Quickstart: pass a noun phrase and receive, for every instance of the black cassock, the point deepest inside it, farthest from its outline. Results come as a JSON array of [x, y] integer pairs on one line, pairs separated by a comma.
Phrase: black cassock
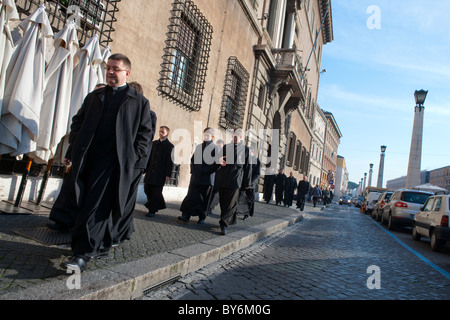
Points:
[[109, 139], [236, 174], [269, 182], [203, 167], [289, 189], [246, 201], [279, 187]]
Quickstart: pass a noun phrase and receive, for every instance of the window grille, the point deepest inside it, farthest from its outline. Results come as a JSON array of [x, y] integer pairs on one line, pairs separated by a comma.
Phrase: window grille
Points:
[[92, 16], [185, 59], [291, 149], [234, 96], [298, 155]]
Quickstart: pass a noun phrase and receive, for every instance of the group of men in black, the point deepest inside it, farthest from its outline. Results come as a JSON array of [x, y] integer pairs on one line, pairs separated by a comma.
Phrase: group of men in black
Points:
[[111, 145], [285, 188]]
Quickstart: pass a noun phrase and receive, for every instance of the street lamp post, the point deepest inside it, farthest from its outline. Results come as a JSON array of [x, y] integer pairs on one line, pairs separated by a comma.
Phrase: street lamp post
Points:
[[381, 168], [415, 153], [370, 175]]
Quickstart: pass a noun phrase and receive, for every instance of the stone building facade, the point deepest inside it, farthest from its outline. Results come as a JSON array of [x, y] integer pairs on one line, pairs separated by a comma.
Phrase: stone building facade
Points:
[[225, 64]]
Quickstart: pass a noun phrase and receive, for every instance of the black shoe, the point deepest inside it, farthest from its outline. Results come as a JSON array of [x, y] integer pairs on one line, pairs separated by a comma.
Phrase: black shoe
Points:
[[76, 264], [58, 227], [201, 221], [223, 231], [184, 219], [150, 214], [245, 217]]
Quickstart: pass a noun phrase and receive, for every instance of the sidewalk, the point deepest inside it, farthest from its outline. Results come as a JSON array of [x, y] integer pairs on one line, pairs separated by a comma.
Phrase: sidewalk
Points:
[[162, 249]]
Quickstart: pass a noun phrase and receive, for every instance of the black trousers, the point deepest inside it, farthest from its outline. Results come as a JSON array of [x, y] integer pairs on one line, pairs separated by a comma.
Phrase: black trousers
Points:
[[301, 200], [123, 229], [155, 198], [196, 202], [98, 210], [228, 199]]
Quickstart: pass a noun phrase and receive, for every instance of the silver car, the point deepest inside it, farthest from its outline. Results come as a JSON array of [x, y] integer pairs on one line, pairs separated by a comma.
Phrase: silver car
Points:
[[379, 205], [403, 205]]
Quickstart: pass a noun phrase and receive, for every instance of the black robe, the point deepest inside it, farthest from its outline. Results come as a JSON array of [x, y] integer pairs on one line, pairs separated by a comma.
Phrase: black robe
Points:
[[269, 182], [279, 187], [289, 190], [104, 158], [160, 166], [246, 201], [203, 168]]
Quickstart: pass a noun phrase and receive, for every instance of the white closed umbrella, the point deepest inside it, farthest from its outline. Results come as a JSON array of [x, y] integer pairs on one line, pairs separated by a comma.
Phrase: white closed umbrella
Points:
[[57, 94], [85, 78], [429, 187], [106, 53], [19, 124], [8, 14]]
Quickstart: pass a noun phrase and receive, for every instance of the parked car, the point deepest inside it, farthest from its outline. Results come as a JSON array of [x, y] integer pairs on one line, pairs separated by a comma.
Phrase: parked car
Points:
[[379, 205], [402, 207], [370, 200], [432, 221], [345, 200]]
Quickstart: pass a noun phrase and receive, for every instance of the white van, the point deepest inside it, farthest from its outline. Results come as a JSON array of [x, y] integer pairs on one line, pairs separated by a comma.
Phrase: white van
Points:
[[370, 200]]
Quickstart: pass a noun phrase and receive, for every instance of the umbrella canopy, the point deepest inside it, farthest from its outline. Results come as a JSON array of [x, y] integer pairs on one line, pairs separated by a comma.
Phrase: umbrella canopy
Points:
[[429, 187], [19, 124], [57, 95], [8, 14]]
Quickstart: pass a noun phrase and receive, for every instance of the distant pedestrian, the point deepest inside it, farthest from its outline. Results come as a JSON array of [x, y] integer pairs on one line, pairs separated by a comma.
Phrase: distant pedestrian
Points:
[[289, 189], [246, 202], [203, 168], [214, 201], [303, 189], [316, 194], [280, 182], [269, 182], [234, 174], [158, 171]]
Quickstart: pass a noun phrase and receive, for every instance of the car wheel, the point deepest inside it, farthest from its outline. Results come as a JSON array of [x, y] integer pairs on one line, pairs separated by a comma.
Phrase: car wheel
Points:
[[435, 243], [415, 235], [391, 225]]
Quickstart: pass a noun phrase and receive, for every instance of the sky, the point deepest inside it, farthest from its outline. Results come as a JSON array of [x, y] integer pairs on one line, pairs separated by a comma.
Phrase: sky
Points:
[[382, 52]]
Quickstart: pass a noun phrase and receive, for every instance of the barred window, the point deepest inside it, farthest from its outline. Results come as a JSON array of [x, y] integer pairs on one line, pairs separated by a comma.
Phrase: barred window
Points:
[[185, 59], [234, 95], [291, 149], [298, 155], [92, 16]]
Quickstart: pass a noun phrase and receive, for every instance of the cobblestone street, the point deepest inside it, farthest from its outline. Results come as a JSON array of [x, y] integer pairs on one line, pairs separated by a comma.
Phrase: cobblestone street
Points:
[[333, 254]]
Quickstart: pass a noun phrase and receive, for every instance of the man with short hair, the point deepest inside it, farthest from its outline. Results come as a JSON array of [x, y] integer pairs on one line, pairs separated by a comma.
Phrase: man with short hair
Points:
[[158, 171], [233, 175], [109, 138]]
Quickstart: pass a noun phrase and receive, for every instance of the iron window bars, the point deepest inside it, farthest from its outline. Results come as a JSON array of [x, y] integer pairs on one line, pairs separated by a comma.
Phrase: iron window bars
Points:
[[94, 16], [185, 58], [234, 95]]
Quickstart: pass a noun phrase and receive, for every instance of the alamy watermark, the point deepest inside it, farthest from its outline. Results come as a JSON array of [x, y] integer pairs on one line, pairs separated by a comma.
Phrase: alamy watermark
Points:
[[374, 280], [74, 281], [374, 20]]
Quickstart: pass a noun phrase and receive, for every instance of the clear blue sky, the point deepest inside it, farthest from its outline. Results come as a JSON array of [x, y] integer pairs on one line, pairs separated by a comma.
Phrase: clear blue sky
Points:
[[382, 52]]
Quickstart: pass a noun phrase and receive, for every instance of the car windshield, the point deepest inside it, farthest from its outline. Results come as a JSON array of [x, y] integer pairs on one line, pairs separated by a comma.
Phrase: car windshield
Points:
[[415, 197]]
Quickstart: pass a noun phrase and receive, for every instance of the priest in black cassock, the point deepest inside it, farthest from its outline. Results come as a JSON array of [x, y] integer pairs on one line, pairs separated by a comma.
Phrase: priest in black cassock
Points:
[[246, 201], [109, 138], [289, 189], [203, 168], [280, 181], [234, 174]]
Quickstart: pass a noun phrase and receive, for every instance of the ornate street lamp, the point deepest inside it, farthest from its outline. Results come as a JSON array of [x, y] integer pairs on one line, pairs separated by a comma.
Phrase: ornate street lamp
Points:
[[420, 96]]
